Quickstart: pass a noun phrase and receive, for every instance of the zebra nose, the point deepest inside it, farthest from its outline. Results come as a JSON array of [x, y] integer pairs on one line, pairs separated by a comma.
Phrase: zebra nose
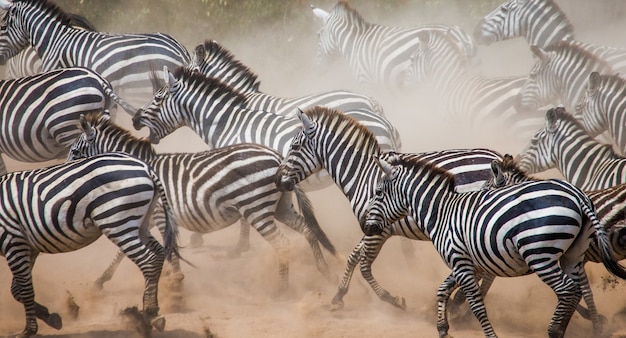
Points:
[[137, 119]]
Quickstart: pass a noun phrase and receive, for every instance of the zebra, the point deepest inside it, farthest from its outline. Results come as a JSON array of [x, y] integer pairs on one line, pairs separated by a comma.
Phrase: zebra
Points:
[[214, 60], [563, 143], [211, 190], [339, 144], [464, 97], [542, 23], [38, 113], [559, 76], [27, 62], [542, 227], [68, 206], [123, 59], [600, 108], [609, 203], [377, 55], [218, 114]]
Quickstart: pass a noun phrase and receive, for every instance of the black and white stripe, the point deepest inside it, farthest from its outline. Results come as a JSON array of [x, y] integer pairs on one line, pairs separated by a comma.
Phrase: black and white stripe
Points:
[[464, 97], [601, 108], [211, 190], [337, 143], [377, 55], [69, 206], [39, 113], [565, 145], [214, 60], [559, 76], [541, 227], [542, 23], [123, 59]]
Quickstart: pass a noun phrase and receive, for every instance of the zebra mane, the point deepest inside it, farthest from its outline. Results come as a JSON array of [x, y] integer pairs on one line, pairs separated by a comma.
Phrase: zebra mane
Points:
[[417, 164], [79, 21], [562, 17], [51, 8], [199, 82], [215, 51], [342, 7], [333, 117], [578, 51], [94, 119]]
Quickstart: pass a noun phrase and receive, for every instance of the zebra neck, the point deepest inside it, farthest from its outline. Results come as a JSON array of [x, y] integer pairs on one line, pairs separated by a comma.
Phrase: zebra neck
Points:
[[50, 41], [579, 162]]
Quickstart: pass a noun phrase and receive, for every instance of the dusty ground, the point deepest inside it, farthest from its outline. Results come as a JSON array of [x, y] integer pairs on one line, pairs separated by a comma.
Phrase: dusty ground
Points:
[[234, 297]]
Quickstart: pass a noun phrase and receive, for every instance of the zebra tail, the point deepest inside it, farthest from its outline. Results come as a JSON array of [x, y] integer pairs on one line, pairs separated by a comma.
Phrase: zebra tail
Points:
[[309, 216], [108, 90], [170, 233], [604, 244]]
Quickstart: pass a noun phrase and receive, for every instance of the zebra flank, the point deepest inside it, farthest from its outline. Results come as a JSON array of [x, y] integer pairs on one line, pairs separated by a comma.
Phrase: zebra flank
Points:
[[535, 226], [211, 190], [349, 152], [66, 207]]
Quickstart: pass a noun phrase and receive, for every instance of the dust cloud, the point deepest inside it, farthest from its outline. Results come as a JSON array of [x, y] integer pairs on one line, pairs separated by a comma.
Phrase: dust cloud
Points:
[[234, 297]]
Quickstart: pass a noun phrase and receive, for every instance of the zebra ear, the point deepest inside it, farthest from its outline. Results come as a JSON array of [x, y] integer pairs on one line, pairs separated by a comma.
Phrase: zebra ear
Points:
[[540, 53], [306, 121], [385, 167], [170, 81], [320, 13], [6, 4], [552, 121], [90, 133], [496, 171], [199, 53], [594, 81]]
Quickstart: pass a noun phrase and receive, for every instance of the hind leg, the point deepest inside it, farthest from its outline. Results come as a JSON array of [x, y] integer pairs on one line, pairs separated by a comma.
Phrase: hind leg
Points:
[[270, 232], [353, 259], [286, 214]]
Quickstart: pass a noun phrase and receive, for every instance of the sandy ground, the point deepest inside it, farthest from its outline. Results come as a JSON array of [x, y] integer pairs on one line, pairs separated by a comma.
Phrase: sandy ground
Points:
[[235, 297]]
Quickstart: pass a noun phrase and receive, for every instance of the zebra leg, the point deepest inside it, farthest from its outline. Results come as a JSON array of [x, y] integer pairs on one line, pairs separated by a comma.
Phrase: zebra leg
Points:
[[459, 297], [270, 232], [370, 250], [286, 214], [196, 241], [568, 295], [108, 273], [243, 244], [443, 296], [158, 220], [353, 259], [466, 277], [578, 274]]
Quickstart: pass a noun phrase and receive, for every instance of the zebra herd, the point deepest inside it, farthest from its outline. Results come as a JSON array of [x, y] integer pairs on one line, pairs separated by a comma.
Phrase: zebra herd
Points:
[[484, 215]]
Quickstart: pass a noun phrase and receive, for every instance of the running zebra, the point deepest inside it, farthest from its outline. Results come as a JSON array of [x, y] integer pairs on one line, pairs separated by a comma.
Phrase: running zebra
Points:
[[213, 60], [337, 143], [27, 62], [601, 108], [559, 76], [563, 143], [39, 113], [542, 23], [123, 59], [218, 114], [377, 55], [69, 206], [211, 190], [464, 97], [542, 227]]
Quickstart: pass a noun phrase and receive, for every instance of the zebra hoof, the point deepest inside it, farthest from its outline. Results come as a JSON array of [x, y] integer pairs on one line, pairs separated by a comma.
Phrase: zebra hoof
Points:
[[336, 305], [400, 303], [158, 323], [54, 321]]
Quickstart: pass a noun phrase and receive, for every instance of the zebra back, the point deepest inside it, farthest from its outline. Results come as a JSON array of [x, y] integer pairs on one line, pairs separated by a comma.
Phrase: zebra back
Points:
[[564, 144]]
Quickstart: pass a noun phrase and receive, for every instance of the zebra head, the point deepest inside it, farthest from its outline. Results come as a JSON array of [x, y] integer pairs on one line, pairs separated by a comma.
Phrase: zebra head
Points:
[[389, 202], [155, 115], [590, 110], [14, 36], [539, 155], [540, 22], [301, 160], [84, 145], [541, 86], [327, 45]]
